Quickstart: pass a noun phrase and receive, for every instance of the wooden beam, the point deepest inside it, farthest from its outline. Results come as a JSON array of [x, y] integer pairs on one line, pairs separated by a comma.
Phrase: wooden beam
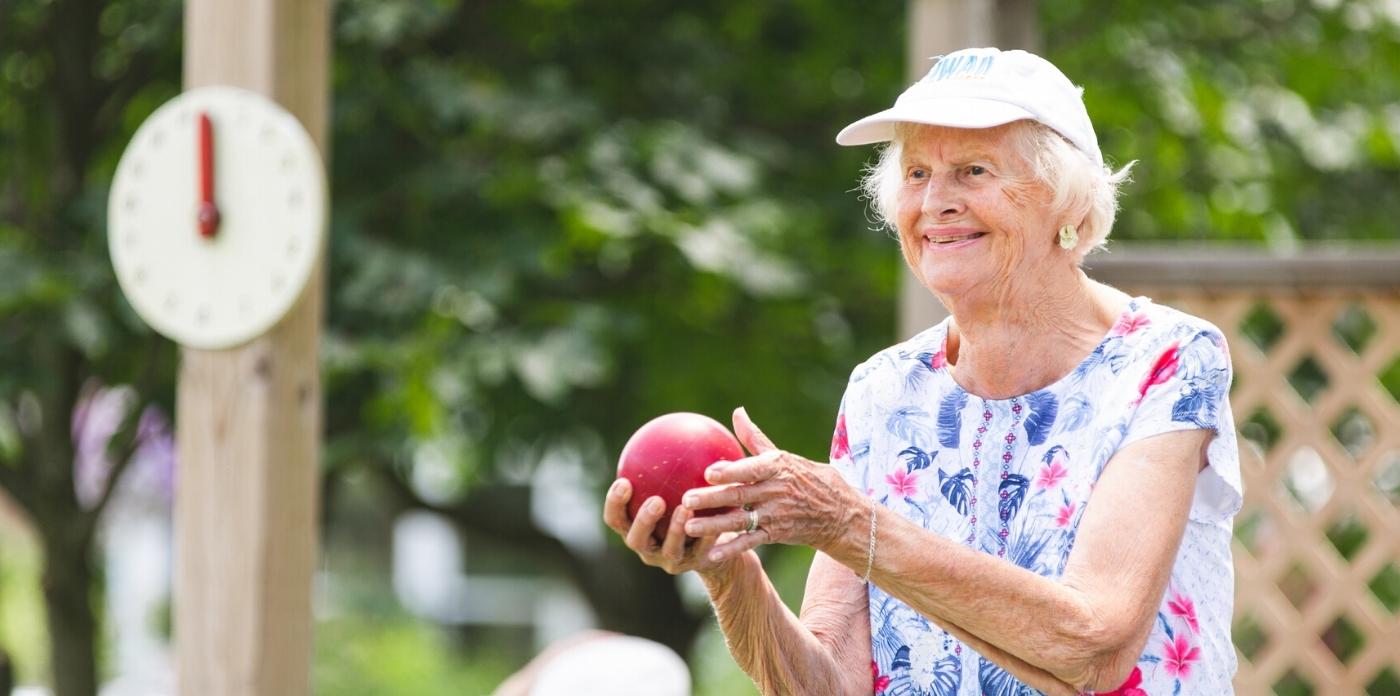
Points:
[[249, 419], [938, 27], [1213, 266]]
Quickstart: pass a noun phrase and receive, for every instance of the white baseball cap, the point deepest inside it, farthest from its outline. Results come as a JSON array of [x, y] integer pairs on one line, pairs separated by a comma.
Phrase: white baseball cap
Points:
[[982, 88]]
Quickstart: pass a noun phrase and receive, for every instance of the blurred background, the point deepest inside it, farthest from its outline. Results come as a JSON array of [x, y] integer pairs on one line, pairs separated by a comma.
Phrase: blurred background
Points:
[[555, 219]]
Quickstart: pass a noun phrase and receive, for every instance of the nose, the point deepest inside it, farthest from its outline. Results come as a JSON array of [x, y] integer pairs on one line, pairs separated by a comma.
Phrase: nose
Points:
[[941, 201]]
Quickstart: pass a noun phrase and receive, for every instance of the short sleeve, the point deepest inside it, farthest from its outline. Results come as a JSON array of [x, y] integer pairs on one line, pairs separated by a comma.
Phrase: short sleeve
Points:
[[1186, 386], [850, 423]]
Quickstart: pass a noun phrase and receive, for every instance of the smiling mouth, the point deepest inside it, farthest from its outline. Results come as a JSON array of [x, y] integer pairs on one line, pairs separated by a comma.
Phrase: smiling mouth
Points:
[[954, 239]]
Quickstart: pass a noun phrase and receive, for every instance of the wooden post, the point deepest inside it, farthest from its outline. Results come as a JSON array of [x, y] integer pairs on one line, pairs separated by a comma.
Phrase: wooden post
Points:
[[249, 419], [937, 27]]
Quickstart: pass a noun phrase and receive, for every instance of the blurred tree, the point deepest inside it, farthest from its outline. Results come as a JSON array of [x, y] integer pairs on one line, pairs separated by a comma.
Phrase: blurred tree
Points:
[[75, 76], [1271, 121], [7, 674], [561, 228]]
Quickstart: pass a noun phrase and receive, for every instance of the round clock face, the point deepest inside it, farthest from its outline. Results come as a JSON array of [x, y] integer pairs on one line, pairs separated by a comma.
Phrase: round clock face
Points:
[[216, 216]]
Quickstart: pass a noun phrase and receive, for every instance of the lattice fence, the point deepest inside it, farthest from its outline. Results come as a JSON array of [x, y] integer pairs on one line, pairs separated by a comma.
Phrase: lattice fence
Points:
[[1317, 546]]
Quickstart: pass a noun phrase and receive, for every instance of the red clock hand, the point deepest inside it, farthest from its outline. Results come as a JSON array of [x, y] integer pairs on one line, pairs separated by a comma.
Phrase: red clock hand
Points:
[[208, 215]]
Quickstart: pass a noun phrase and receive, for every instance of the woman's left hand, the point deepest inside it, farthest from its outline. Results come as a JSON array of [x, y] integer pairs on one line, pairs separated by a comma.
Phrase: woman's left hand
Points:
[[795, 500]]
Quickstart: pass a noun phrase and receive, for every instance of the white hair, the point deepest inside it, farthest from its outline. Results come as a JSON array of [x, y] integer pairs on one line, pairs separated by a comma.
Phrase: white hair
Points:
[[1083, 194]]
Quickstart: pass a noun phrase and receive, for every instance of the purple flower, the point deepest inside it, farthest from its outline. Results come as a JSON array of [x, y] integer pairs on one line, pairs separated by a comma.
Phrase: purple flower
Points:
[[96, 418]]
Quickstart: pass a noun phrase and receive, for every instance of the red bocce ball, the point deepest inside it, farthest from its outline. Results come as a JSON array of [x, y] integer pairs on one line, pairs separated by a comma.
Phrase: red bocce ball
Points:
[[668, 456]]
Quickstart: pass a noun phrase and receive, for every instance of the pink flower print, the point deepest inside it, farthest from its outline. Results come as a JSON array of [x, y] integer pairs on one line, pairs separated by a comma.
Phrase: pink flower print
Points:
[[1066, 514], [903, 484], [938, 360], [1051, 475], [1054, 470], [1181, 605], [1161, 371], [1129, 324], [1131, 687], [882, 682], [1178, 655], [839, 445]]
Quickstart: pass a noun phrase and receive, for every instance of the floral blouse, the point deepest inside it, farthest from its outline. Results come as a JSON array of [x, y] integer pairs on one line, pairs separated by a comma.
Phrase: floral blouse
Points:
[[1011, 477]]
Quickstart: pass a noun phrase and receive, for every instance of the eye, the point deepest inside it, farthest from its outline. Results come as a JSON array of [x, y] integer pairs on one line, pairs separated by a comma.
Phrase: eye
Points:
[[916, 174], [976, 170]]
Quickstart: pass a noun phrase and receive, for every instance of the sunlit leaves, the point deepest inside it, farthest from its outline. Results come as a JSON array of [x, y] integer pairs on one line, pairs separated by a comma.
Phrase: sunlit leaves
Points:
[[1238, 115]]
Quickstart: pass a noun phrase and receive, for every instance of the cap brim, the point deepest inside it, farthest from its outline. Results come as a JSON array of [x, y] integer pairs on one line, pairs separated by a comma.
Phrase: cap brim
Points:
[[953, 112]]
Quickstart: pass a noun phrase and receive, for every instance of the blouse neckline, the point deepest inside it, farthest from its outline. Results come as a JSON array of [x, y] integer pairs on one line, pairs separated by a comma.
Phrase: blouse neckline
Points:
[[1134, 306]]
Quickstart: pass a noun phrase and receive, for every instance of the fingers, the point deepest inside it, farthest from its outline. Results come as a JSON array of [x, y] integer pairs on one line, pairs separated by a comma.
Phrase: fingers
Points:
[[673, 548], [639, 536], [615, 507], [741, 543], [702, 547], [749, 434], [736, 521], [678, 552], [760, 467], [731, 495]]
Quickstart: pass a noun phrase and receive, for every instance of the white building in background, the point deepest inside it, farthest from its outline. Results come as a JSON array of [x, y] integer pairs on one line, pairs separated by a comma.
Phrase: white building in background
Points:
[[433, 579], [136, 549]]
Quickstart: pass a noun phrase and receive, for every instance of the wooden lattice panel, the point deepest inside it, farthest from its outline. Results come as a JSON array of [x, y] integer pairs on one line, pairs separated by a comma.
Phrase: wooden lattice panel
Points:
[[1317, 545]]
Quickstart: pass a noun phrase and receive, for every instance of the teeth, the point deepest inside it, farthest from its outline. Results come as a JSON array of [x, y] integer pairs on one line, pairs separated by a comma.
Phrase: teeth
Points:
[[947, 240]]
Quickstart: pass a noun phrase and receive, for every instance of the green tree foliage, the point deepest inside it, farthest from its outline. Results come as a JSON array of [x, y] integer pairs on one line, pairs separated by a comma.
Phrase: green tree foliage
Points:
[[557, 229], [75, 77], [1272, 121], [584, 223]]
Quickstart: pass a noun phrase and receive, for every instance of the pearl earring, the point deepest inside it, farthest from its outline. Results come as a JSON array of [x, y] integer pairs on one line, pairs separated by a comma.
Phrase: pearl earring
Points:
[[1069, 237]]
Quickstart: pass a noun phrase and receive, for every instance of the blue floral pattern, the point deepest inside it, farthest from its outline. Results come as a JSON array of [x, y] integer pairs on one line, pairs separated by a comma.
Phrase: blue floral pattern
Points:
[[1011, 478]]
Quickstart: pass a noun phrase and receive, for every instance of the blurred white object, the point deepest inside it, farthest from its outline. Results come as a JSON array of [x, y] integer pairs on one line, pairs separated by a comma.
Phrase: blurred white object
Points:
[[427, 564], [614, 666], [563, 502], [149, 683], [137, 553], [431, 581]]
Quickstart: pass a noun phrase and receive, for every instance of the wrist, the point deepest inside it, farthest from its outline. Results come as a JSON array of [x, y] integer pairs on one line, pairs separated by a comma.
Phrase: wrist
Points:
[[850, 544], [720, 576], [870, 548]]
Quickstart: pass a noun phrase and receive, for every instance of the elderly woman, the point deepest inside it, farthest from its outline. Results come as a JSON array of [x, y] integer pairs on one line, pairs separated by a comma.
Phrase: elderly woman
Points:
[[1034, 495]]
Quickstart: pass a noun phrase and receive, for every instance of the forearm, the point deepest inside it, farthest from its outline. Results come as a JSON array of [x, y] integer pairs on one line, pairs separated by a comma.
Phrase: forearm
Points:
[[781, 654], [1033, 676], [1044, 632]]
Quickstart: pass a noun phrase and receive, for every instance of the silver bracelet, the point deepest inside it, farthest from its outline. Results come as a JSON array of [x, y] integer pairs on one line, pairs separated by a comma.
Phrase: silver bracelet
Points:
[[870, 556]]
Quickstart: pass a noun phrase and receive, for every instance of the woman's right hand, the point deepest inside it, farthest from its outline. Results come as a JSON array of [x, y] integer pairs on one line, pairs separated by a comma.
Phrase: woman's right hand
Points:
[[678, 553]]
